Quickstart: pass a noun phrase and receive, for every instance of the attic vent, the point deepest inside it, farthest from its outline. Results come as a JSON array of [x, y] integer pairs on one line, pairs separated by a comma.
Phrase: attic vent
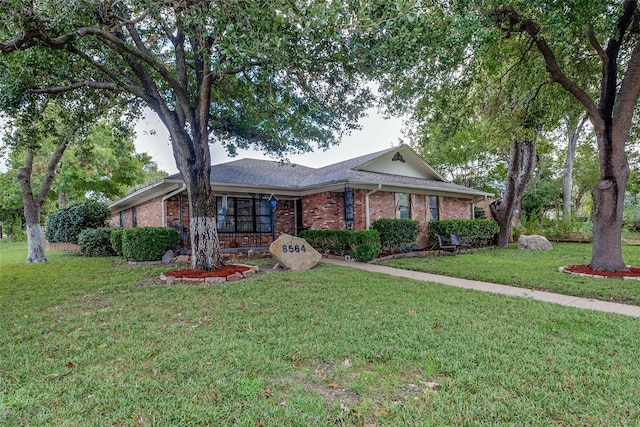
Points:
[[398, 158]]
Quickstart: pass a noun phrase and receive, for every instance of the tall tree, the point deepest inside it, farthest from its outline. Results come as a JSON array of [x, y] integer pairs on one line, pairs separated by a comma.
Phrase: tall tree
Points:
[[34, 127], [612, 114], [275, 74], [579, 46], [574, 128]]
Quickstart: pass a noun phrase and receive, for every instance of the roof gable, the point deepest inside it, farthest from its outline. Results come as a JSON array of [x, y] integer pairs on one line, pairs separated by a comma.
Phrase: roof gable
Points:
[[401, 161]]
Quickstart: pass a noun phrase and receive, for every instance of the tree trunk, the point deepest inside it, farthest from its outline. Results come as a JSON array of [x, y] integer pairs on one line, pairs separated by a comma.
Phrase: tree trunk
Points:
[[33, 204], [193, 159], [573, 135], [205, 245], [32, 207], [521, 166], [608, 206]]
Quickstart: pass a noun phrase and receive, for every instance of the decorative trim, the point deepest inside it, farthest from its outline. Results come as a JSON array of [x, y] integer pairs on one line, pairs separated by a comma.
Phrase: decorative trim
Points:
[[397, 157]]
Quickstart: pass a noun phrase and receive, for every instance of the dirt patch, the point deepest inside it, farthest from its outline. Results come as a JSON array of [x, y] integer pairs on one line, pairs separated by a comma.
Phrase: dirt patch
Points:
[[584, 270], [225, 271]]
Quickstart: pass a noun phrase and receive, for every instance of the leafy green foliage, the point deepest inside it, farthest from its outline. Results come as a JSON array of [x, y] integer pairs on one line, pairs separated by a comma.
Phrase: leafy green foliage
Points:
[[363, 245], [396, 233], [116, 240], [480, 231], [66, 224], [95, 242], [148, 243]]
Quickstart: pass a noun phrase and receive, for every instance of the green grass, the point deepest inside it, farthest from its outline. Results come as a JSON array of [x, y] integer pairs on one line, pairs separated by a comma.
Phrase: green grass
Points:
[[533, 269], [94, 342]]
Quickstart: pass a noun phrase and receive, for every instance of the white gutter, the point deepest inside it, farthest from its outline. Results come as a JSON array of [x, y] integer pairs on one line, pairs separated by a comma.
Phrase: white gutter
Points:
[[168, 196], [366, 204]]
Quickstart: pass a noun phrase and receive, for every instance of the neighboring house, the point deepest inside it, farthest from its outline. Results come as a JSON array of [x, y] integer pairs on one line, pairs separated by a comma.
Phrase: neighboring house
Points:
[[393, 183]]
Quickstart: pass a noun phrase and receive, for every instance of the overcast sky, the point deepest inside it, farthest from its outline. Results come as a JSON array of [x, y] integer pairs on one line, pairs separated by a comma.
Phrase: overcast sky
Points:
[[376, 134]]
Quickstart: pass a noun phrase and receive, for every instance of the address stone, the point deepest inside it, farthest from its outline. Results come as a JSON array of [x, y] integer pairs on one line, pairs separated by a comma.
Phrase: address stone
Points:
[[294, 253]]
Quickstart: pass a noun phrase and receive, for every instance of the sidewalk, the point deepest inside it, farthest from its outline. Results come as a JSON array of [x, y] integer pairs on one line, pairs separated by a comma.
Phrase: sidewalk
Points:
[[566, 300]]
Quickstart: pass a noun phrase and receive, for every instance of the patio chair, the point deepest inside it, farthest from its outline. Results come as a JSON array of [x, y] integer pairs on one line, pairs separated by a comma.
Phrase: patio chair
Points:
[[445, 247], [457, 243]]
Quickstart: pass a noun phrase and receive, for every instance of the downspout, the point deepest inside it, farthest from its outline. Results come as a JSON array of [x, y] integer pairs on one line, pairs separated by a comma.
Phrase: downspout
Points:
[[366, 205], [167, 197]]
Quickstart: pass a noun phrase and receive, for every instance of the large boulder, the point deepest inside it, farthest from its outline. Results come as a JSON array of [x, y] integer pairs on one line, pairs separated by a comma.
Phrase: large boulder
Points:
[[294, 253], [534, 242]]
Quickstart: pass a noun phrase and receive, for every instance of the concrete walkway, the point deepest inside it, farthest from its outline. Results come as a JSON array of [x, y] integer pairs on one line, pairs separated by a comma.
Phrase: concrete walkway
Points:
[[566, 300]]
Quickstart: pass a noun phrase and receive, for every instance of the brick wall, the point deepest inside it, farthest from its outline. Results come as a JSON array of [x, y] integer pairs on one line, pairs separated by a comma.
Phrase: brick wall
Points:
[[150, 213], [323, 211], [484, 205], [455, 208]]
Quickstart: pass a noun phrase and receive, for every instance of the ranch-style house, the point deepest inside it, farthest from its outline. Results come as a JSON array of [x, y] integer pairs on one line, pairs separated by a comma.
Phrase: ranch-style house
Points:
[[258, 200]]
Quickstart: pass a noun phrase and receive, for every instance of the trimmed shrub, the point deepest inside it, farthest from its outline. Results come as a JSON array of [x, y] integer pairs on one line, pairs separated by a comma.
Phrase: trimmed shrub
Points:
[[148, 243], [396, 233], [116, 240], [480, 231], [95, 242], [363, 245], [66, 224], [366, 245], [479, 213]]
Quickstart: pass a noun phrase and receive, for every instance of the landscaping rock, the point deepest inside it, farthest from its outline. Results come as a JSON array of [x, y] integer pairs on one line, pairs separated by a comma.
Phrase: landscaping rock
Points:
[[294, 253], [534, 242], [183, 258], [167, 257], [215, 280], [170, 280], [248, 273], [234, 277]]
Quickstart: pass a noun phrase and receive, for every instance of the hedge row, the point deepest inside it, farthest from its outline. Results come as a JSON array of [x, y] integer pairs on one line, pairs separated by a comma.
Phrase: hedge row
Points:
[[396, 233], [145, 243], [481, 231], [66, 224], [95, 242], [363, 245]]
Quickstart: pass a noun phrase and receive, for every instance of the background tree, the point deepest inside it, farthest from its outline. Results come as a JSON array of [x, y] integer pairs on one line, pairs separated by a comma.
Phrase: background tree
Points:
[[570, 45], [273, 74], [92, 157]]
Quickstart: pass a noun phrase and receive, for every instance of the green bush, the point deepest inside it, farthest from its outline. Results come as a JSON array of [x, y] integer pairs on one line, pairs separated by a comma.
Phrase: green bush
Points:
[[396, 233], [95, 242], [66, 224], [479, 213], [148, 243], [363, 245], [480, 231], [116, 240]]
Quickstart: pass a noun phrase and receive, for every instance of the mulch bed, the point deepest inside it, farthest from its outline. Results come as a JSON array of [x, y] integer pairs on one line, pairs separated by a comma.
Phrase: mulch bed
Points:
[[225, 271], [583, 269]]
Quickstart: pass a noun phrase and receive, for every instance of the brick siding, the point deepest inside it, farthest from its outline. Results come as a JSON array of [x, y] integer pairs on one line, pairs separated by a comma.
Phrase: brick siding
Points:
[[321, 211]]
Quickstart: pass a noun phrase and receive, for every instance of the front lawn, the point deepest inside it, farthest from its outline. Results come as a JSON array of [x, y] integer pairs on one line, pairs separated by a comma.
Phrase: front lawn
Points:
[[95, 342], [534, 270]]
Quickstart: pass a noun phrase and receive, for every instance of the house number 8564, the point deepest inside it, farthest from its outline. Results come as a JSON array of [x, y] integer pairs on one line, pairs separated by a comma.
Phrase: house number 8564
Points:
[[293, 248]]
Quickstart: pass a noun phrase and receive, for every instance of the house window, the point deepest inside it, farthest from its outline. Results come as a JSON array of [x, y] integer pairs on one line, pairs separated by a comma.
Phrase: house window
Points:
[[236, 215], [122, 219], [134, 216], [404, 206], [433, 208]]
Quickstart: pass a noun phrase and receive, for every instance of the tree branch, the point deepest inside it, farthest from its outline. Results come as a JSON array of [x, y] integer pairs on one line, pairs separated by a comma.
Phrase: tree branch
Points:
[[50, 172], [77, 85], [591, 35], [519, 24]]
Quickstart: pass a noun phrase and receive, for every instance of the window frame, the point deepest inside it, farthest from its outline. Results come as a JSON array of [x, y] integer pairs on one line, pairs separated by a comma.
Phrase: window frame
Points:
[[244, 215], [434, 204]]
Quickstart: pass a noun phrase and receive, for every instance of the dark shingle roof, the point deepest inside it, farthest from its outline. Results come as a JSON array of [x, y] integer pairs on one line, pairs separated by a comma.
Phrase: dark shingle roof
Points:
[[273, 174]]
